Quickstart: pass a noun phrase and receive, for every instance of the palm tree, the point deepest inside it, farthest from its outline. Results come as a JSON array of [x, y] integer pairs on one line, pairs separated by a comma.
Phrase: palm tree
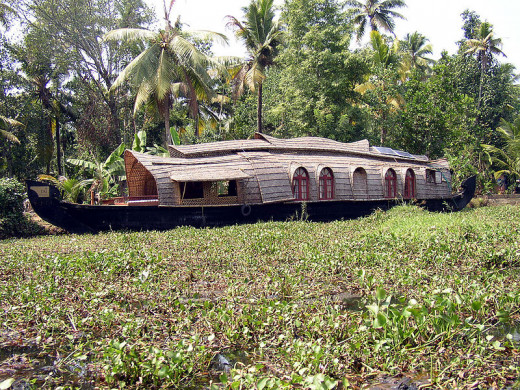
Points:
[[388, 100], [384, 55], [484, 47], [5, 124], [378, 14], [415, 49], [507, 160], [261, 35], [170, 66]]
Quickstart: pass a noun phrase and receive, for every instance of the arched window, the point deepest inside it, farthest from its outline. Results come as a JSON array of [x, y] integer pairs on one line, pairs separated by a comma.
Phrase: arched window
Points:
[[300, 184], [360, 185], [409, 184], [326, 184], [390, 184]]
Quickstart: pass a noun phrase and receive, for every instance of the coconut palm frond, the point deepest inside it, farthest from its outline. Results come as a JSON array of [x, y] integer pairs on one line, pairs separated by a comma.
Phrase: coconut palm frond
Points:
[[379, 14], [143, 96], [207, 35], [129, 35], [355, 4], [164, 75], [137, 68], [506, 159], [254, 77], [184, 50], [5, 123], [9, 136]]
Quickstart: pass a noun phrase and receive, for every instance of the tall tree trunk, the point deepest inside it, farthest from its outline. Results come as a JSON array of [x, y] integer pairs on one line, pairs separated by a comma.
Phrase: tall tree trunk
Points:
[[383, 128], [49, 150], [196, 124], [167, 122], [259, 109], [58, 147], [383, 136], [480, 86]]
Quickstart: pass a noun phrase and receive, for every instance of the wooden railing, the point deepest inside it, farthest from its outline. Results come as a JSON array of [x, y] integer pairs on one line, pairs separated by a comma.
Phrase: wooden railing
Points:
[[124, 200]]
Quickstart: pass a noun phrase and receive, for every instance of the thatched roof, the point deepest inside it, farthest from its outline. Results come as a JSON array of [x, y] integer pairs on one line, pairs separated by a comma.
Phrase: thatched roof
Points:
[[263, 142]]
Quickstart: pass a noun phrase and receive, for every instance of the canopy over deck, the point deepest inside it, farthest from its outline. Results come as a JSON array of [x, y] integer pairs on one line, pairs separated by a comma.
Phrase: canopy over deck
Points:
[[209, 173]]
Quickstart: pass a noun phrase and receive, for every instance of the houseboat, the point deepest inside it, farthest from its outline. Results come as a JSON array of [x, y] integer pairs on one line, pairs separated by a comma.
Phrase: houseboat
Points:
[[260, 179]]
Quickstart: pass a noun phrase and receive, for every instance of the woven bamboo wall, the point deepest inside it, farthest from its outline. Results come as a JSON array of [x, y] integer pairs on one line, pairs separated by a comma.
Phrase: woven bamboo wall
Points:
[[342, 168], [139, 180]]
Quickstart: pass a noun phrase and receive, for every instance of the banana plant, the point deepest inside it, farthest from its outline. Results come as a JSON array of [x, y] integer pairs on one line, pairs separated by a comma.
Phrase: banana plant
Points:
[[139, 144], [105, 175]]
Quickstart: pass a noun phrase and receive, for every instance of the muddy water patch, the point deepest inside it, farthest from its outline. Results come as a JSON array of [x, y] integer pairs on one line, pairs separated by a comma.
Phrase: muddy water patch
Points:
[[31, 367], [510, 332], [404, 382], [223, 362]]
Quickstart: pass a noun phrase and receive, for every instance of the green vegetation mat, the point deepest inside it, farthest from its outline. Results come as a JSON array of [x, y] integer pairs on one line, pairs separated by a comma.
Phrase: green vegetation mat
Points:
[[433, 297]]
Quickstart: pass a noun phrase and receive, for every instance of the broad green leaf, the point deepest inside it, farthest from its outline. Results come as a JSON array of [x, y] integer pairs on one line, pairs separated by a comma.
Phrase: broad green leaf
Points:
[[380, 321], [262, 383], [82, 164], [223, 378], [175, 136], [373, 308], [380, 293]]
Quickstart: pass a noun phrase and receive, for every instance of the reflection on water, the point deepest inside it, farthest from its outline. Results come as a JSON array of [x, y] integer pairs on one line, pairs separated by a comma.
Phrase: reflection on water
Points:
[[31, 368], [509, 332], [407, 382], [225, 361]]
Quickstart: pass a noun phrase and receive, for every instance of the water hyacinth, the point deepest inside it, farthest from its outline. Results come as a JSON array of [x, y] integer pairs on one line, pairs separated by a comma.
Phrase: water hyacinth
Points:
[[404, 295]]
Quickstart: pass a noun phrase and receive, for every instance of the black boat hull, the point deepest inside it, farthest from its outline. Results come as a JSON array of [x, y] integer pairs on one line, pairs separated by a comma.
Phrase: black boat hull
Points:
[[78, 218]]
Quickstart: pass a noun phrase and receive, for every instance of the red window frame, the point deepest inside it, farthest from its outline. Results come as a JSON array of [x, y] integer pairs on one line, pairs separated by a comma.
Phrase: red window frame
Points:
[[409, 184], [326, 182], [300, 184], [390, 184]]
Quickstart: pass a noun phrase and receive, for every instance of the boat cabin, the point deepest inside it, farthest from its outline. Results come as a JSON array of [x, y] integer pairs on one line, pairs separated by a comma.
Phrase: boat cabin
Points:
[[267, 170]]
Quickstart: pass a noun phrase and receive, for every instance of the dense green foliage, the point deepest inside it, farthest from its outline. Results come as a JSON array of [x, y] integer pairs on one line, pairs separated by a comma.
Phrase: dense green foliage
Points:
[[399, 292], [507, 160], [13, 222], [315, 90], [83, 85], [11, 206]]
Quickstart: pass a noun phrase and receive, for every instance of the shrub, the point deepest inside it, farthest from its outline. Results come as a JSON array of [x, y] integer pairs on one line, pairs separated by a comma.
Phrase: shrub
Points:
[[13, 222]]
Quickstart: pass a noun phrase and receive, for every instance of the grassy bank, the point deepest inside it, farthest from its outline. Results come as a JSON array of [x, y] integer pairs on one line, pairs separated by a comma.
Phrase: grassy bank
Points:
[[296, 304]]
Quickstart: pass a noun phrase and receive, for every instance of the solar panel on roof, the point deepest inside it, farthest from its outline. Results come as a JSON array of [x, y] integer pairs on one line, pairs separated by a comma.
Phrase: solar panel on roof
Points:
[[404, 154], [384, 150], [392, 152]]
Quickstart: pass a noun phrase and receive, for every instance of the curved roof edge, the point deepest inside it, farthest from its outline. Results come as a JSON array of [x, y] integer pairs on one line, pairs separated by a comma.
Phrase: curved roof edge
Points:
[[264, 142]]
